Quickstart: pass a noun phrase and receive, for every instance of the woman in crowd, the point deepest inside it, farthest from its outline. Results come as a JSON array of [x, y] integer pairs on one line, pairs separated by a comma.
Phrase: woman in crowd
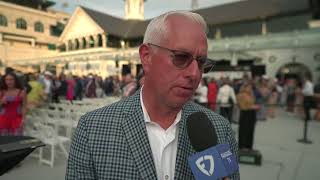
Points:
[[212, 94], [70, 90], [36, 96], [91, 87], [264, 92], [247, 120], [13, 100], [272, 102]]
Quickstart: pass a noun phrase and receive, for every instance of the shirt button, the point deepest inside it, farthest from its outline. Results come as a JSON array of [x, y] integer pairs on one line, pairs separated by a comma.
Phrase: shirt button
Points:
[[166, 177]]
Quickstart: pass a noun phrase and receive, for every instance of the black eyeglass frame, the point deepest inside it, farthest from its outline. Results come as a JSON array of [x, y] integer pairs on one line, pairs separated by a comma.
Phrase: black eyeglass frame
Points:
[[205, 64]]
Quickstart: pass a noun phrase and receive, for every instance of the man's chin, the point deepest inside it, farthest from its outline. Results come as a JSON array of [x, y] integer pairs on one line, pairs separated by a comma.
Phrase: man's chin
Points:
[[180, 101]]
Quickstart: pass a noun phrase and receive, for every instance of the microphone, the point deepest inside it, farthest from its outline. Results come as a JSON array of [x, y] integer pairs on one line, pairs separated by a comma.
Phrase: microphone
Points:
[[212, 160]]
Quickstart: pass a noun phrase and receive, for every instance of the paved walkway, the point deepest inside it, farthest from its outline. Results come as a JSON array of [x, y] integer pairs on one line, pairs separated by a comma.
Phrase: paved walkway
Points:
[[283, 157]]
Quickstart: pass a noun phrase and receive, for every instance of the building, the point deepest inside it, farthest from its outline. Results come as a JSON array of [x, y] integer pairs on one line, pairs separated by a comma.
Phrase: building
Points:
[[272, 37], [106, 46], [277, 38], [29, 31]]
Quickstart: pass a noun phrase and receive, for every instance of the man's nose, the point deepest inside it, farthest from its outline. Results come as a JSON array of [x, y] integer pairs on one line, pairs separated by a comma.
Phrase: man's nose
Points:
[[193, 69]]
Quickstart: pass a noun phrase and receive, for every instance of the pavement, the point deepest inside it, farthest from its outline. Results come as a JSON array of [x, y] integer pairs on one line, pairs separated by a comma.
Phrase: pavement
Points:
[[283, 157]]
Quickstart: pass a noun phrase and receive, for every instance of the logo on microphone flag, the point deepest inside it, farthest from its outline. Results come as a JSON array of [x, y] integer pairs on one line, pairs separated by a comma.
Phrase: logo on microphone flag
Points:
[[213, 163], [202, 166]]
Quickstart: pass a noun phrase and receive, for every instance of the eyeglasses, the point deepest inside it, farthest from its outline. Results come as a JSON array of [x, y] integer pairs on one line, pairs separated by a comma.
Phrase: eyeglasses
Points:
[[183, 59]]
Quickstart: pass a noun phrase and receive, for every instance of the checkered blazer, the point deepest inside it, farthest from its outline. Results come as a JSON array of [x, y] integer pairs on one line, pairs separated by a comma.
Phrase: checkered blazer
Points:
[[112, 143]]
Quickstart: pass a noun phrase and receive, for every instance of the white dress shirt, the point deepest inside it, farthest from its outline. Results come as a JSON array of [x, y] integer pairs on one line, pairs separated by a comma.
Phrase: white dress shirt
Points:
[[163, 144]]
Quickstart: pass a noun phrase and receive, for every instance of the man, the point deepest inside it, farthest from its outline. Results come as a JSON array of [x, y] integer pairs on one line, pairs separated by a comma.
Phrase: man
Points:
[[226, 98], [144, 136], [308, 101], [48, 85]]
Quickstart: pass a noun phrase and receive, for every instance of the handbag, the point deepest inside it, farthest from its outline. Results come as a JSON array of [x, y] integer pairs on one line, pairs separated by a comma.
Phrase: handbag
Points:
[[230, 101]]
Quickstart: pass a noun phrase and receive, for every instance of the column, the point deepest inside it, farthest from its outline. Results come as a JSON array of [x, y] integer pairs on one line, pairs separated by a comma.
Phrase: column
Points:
[[42, 67], [74, 44], [81, 43], [234, 61], [133, 67], [88, 41], [264, 29], [66, 45], [33, 42], [96, 41], [70, 46], [59, 68], [218, 34], [104, 40]]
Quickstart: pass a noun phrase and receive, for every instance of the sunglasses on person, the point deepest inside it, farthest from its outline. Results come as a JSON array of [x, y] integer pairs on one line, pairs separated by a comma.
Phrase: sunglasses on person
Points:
[[183, 59]]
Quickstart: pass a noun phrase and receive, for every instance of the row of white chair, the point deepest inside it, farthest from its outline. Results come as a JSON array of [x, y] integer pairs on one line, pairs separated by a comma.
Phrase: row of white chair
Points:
[[55, 123]]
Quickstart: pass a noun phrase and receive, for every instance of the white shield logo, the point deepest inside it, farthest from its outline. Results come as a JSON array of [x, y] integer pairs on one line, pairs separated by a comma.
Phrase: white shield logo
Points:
[[202, 167]]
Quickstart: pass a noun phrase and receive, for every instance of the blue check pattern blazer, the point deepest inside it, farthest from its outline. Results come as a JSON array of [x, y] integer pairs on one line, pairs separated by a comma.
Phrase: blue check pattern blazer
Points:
[[112, 143]]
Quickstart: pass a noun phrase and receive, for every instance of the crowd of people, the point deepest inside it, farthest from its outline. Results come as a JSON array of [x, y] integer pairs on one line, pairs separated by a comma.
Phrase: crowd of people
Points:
[[36, 89], [20, 93], [268, 93], [246, 100]]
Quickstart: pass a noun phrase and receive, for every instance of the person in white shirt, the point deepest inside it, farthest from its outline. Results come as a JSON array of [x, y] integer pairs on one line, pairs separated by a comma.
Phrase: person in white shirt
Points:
[[201, 94], [226, 99], [48, 85], [308, 99]]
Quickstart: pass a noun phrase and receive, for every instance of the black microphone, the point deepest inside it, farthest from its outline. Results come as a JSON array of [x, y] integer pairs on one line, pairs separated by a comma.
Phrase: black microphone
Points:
[[212, 160], [201, 132]]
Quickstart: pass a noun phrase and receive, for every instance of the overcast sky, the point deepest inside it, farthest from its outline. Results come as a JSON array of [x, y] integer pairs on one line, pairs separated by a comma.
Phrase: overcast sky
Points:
[[152, 7]]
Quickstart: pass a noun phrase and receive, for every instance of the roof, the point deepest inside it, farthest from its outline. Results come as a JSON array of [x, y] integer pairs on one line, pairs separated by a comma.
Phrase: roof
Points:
[[116, 26], [227, 13], [44, 4], [251, 10]]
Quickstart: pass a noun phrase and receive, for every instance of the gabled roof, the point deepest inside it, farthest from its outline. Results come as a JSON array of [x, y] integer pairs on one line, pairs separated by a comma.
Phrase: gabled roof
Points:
[[116, 26], [228, 13]]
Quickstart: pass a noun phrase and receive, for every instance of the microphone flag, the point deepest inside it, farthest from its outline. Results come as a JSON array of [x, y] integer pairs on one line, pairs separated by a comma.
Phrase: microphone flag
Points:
[[213, 163]]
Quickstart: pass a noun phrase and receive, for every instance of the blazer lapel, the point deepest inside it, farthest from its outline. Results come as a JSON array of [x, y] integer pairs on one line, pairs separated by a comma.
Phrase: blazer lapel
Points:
[[136, 134], [182, 169]]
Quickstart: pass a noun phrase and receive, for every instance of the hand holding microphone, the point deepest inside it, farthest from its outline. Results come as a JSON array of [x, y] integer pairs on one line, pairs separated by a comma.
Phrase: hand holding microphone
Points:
[[212, 161]]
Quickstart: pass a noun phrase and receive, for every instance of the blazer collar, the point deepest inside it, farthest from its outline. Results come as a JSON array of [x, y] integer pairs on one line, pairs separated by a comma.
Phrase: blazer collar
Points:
[[137, 138]]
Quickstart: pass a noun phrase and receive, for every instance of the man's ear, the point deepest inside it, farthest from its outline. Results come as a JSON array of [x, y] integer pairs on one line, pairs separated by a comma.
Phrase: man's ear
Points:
[[145, 57]]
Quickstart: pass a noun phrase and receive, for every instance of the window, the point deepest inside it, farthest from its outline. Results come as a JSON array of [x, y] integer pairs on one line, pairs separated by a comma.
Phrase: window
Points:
[[52, 47], [57, 29], [3, 20], [38, 27], [21, 24]]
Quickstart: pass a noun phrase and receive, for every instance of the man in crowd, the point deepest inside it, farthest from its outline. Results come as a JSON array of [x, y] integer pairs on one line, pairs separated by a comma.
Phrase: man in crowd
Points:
[[308, 101], [226, 99], [144, 136]]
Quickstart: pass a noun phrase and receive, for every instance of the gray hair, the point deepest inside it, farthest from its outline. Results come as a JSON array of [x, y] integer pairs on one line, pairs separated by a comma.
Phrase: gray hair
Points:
[[158, 26]]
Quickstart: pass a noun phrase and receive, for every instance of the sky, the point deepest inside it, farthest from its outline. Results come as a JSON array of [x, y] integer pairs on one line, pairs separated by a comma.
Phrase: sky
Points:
[[152, 7]]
